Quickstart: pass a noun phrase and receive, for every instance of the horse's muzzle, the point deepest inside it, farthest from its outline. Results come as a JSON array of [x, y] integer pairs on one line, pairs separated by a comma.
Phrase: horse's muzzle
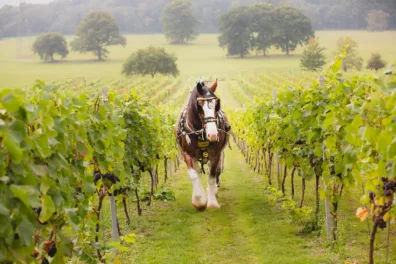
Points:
[[211, 131], [212, 137]]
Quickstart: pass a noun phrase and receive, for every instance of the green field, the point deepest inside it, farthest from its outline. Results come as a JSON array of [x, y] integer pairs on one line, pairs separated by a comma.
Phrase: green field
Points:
[[201, 58]]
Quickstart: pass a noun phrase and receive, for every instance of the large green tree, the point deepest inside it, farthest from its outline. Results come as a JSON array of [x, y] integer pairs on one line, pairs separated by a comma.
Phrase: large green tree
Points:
[[236, 31], [47, 45], [179, 23], [261, 18], [291, 28], [97, 31], [151, 61]]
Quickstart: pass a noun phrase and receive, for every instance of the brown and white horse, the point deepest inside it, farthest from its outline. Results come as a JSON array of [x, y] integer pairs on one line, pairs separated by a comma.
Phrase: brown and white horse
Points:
[[202, 134]]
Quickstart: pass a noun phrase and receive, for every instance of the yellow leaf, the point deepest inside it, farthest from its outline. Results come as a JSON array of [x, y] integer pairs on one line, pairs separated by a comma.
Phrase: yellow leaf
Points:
[[117, 261], [362, 213], [386, 216]]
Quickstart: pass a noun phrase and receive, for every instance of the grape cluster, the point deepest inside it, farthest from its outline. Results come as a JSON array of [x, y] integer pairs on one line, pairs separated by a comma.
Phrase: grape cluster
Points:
[[52, 251], [381, 224], [371, 196], [389, 188]]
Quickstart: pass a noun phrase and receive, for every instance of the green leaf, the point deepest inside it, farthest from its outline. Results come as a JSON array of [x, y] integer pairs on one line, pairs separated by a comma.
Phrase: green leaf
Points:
[[17, 131], [41, 142], [88, 188], [383, 141], [27, 194], [4, 210], [14, 150], [39, 170], [25, 231], [47, 208], [11, 102]]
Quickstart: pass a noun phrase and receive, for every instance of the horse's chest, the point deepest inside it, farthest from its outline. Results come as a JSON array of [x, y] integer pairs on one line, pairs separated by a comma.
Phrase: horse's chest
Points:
[[204, 149]]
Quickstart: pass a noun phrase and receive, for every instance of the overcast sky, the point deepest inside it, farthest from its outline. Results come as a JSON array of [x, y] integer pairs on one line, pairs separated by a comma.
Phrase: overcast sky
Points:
[[16, 2]]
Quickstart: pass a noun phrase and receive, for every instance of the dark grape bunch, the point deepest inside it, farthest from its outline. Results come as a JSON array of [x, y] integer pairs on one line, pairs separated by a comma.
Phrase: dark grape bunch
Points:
[[52, 251], [381, 224], [389, 188], [371, 196]]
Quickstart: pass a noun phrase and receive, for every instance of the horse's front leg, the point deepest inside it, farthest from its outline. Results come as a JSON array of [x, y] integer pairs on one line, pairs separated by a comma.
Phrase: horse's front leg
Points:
[[212, 184], [198, 195]]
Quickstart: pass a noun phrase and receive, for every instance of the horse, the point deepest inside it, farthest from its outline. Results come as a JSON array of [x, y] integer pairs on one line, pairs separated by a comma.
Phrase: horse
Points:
[[202, 134]]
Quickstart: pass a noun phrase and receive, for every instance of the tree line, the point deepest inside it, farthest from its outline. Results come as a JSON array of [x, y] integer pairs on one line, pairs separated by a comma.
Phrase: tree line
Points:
[[138, 16], [96, 32], [260, 26]]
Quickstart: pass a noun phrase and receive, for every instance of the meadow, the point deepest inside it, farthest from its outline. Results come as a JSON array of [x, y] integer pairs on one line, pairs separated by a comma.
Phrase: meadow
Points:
[[203, 57]]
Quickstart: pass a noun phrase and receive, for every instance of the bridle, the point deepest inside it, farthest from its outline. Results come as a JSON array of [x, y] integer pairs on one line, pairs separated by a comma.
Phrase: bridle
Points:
[[206, 120]]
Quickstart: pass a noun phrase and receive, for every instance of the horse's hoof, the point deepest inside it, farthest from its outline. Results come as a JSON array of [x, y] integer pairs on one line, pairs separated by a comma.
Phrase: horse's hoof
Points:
[[199, 207], [213, 206]]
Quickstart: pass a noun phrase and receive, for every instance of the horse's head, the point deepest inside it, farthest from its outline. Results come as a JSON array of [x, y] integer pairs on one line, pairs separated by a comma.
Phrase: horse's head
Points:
[[208, 105]]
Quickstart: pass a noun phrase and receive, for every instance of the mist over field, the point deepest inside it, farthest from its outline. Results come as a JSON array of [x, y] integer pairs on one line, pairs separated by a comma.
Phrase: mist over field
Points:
[[16, 2]]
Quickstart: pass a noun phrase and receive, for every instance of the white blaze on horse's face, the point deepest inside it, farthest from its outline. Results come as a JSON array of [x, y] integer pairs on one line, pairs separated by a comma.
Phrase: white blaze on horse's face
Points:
[[209, 109]]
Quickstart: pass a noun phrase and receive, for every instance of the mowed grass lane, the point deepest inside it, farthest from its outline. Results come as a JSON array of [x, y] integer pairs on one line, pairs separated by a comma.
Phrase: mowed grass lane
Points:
[[246, 229]]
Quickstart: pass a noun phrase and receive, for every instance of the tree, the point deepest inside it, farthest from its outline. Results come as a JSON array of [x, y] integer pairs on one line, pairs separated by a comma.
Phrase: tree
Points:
[[46, 45], [352, 58], [313, 58], [151, 61], [97, 31], [377, 20], [291, 28], [376, 62], [262, 26], [235, 31], [179, 23]]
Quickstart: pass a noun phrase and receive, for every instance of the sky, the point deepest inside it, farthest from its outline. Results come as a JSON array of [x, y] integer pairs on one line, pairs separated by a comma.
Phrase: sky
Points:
[[16, 2]]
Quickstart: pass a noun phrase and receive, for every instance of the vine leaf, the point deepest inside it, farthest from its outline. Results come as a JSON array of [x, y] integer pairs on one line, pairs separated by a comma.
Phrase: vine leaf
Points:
[[25, 230], [47, 208], [27, 194]]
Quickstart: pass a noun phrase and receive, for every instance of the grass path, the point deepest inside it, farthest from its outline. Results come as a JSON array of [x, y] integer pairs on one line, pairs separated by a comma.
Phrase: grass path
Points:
[[246, 229]]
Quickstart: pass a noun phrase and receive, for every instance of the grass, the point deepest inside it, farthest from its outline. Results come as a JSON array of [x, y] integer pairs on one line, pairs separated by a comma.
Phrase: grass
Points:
[[246, 229], [201, 58]]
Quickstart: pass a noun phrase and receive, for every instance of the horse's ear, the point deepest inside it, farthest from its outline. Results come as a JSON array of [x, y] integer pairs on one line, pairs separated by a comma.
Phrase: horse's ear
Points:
[[199, 88], [214, 86]]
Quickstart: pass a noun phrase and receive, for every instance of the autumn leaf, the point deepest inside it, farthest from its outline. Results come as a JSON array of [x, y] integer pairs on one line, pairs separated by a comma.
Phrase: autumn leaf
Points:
[[362, 213]]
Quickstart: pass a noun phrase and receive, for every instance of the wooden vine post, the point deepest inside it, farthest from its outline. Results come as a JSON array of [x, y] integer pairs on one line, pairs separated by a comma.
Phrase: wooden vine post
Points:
[[276, 155], [114, 229], [326, 202]]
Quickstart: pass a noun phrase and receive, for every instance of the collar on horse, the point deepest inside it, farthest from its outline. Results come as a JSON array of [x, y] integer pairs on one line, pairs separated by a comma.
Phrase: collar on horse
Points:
[[203, 142]]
